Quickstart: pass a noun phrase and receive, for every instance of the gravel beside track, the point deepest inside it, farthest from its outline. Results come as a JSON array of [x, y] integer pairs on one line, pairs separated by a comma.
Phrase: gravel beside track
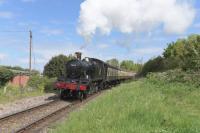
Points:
[[48, 124], [15, 122], [37, 119], [42, 125], [25, 103]]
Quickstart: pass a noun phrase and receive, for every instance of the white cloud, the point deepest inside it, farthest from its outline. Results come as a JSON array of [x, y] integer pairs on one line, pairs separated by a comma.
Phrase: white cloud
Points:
[[128, 16], [148, 51], [6, 15], [51, 32]]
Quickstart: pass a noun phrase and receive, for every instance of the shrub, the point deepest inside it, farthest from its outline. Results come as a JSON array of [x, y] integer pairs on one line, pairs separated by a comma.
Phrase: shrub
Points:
[[42, 83], [49, 85], [153, 65], [37, 82], [5, 76], [171, 63], [177, 75], [160, 64]]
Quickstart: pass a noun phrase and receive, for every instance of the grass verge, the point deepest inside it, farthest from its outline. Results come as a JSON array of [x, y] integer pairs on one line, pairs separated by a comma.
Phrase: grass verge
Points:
[[36, 86], [140, 107], [16, 94]]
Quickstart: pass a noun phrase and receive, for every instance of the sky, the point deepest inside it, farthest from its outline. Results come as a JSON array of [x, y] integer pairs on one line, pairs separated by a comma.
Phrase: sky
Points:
[[126, 30]]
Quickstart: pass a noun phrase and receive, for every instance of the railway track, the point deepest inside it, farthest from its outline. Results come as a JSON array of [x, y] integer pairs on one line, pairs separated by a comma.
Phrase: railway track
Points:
[[36, 118]]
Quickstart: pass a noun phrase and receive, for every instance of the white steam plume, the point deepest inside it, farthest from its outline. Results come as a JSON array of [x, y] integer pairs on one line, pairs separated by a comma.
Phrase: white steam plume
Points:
[[128, 16]]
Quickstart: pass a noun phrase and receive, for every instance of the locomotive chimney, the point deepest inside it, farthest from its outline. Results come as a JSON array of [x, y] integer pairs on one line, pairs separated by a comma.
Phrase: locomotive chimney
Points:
[[78, 55]]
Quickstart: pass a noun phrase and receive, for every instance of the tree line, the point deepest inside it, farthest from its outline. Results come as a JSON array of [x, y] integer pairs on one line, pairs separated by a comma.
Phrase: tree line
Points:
[[182, 54]]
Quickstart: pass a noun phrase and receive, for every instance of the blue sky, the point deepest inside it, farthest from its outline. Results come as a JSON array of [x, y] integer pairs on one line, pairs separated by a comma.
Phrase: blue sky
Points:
[[54, 24]]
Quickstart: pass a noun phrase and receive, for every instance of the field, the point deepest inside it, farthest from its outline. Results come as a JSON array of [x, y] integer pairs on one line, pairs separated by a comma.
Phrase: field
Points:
[[140, 107]]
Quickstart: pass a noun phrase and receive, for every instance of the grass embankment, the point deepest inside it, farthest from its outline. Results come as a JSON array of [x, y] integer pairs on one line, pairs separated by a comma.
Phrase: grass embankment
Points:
[[16, 94], [140, 107], [36, 86]]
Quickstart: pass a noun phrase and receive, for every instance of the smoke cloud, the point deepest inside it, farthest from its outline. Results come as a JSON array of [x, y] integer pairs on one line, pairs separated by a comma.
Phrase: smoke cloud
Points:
[[129, 16]]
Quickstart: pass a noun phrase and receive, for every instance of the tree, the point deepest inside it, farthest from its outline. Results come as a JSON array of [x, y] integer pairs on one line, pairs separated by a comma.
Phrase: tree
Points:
[[56, 66], [185, 53], [5, 75], [113, 62], [130, 66], [153, 65], [192, 53]]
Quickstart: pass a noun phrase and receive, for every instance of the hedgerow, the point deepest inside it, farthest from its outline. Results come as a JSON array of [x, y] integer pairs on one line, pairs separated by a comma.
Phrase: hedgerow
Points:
[[177, 75], [5, 76], [41, 83]]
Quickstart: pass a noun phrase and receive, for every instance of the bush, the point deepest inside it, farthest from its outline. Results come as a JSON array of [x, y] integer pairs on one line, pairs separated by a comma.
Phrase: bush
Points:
[[41, 83], [186, 77], [37, 82], [49, 85], [160, 64], [171, 63], [5, 76], [153, 65]]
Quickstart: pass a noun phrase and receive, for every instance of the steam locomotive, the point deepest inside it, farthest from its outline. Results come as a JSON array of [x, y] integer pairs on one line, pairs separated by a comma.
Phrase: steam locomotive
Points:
[[88, 76]]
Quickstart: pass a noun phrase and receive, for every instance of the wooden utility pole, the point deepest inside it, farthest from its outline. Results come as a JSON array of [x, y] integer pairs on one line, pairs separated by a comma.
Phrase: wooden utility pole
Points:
[[30, 56]]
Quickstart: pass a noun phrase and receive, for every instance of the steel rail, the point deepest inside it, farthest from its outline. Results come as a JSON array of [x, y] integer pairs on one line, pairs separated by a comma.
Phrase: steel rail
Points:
[[27, 128], [8, 116], [30, 125]]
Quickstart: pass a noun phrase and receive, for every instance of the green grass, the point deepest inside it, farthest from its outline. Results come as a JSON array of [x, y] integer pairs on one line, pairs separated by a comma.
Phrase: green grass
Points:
[[139, 107], [37, 86], [13, 94]]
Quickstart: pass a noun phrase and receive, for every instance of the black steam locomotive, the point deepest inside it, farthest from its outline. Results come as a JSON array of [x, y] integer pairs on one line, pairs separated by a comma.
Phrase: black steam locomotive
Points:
[[88, 76]]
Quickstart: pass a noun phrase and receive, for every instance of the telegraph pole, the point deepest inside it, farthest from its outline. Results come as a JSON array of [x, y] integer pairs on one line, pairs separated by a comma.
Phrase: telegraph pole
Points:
[[30, 56]]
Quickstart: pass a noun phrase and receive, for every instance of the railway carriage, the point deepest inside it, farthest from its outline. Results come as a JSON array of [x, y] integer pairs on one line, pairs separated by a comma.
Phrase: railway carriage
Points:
[[88, 76]]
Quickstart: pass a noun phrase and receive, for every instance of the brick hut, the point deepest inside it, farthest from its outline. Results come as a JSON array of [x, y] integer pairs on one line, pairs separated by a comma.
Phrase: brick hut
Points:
[[20, 80]]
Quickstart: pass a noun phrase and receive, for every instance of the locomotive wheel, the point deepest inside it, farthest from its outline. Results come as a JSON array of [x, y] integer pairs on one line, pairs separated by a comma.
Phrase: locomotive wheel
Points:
[[63, 95], [85, 94], [91, 89], [80, 96]]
